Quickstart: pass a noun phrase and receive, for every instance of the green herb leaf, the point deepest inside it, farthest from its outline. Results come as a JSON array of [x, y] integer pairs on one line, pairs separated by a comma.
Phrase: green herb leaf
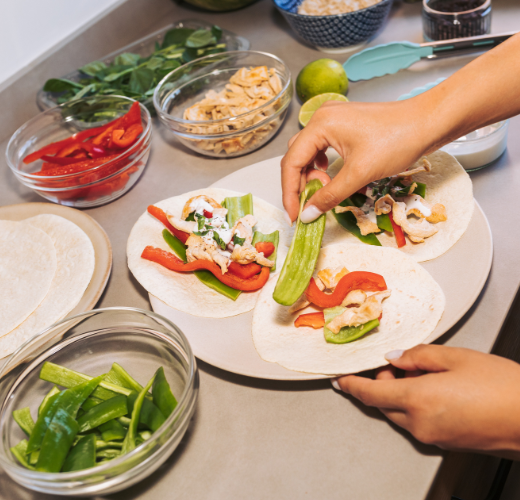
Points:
[[201, 233], [127, 59], [155, 63], [176, 36], [219, 240], [190, 55], [200, 38], [216, 32], [93, 68], [191, 217], [85, 91], [201, 222], [237, 240], [141, 79], [60, 85]]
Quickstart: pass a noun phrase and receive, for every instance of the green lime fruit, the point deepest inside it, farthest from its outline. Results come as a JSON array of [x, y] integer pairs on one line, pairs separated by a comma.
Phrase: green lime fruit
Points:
[[309, 107], [321, 77]]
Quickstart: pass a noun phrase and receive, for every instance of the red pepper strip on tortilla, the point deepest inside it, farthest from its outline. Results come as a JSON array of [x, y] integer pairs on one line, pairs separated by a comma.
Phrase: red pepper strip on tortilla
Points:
[[314, 320], [170, 261], [161, 217], [356, 280], [398, 231], [266, 247], [244, 271]]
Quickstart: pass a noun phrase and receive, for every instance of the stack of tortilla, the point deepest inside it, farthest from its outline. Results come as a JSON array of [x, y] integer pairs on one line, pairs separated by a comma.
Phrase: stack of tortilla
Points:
[[46, 264]]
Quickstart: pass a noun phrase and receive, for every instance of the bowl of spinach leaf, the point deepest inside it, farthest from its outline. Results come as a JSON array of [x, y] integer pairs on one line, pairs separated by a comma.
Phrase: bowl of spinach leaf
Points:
[[135, 70]]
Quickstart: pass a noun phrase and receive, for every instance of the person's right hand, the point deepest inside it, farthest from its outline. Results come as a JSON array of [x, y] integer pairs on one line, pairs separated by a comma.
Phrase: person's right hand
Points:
[[374, 139]]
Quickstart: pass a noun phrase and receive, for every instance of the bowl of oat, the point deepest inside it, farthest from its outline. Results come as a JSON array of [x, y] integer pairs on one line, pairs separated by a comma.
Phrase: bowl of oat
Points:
[[227, 104], [335, 25]]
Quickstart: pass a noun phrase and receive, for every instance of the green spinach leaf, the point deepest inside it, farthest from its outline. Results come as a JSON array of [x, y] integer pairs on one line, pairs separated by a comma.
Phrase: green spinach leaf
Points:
[[141, 79], [60, 85]]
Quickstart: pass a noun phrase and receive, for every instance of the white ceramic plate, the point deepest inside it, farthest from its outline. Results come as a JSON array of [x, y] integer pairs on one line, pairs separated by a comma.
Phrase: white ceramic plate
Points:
[[227, 343], [100, 242]]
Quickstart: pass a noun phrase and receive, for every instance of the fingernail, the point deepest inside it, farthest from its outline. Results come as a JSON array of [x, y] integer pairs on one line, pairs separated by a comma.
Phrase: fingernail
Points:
[[309, 214], [390, 356], [287, 218], [335, 384]]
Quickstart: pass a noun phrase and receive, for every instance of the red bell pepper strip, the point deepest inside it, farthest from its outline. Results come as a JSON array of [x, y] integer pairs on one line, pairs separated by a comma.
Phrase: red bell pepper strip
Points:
[[245, 271], [57, 160], [124, 138], [314, 320], [398, 231], [170, 261], [75, 167], [356, 280], [208, 215], [266, 247], [160, 215]]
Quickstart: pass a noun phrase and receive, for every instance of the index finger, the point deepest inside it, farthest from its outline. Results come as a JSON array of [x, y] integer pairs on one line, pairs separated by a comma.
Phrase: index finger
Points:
[[379, 393], [301, 153]]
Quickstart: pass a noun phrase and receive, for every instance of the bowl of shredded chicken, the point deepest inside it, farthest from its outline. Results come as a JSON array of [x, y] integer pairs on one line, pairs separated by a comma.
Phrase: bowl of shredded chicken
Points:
[[225, 105]]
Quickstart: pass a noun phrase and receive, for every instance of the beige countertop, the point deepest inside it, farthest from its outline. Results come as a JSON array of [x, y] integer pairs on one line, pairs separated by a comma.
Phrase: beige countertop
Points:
[[265, 439]]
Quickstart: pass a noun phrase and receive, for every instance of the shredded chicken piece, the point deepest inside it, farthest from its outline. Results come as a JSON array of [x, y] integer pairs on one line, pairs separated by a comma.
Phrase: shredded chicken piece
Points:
[[356, 316], [243, 228], [199, 248], [356, 297], [438, 214], [180, 224], [366, 226], [187, 206], [331, 277], [331, 7], [302, 302], [245, 254], [416, 231], [384, 205], [422, 165]]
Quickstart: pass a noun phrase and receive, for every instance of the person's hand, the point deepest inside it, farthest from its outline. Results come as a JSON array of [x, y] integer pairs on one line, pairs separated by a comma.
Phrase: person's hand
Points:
[[454, 398], [374, 139]]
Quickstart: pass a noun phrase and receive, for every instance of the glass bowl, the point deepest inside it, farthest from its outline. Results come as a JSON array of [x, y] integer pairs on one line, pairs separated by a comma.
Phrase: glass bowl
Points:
[[226, 137], [141, 341], [90, 188]]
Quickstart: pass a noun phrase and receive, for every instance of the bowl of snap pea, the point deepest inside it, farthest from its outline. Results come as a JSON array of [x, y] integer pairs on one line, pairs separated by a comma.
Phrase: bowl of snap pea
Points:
[[96, 402]]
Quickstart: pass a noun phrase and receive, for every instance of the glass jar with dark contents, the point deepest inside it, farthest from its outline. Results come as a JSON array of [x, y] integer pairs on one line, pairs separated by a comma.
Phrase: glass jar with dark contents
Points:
[[446, 19]]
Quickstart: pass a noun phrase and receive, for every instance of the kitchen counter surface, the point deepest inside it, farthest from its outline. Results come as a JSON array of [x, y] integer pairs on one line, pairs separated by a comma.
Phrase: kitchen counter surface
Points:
[[261, 439]]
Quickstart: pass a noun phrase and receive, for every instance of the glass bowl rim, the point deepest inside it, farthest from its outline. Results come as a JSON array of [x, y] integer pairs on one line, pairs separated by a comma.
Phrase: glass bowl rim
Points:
[[163, 115], [99, 469], [503, 123], [144, 137], [429, 10], [343, 14]]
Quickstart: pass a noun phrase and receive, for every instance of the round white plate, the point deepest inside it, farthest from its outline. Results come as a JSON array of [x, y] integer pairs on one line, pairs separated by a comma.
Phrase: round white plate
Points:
[[227, 343], [100, 242]]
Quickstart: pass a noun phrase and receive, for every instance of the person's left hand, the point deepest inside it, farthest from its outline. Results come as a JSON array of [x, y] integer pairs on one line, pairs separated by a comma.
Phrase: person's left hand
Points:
[[453, 398]]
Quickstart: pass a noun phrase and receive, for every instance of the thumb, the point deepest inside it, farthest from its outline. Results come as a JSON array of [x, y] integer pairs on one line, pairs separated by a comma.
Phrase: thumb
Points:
[[331, 195], [429, 358]]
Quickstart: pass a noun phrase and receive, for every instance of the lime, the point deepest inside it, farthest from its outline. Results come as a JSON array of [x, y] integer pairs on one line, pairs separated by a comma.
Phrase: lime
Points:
[[320, 77], [309, 107]]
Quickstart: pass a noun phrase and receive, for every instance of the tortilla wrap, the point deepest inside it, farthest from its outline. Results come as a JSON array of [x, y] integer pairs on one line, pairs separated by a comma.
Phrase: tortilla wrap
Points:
[[410, 314], [447, 183], [75, 266], [183, 291], [27, 267]]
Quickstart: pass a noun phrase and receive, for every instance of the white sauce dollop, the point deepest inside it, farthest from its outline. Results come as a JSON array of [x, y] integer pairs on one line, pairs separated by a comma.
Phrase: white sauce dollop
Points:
[[414, 202]]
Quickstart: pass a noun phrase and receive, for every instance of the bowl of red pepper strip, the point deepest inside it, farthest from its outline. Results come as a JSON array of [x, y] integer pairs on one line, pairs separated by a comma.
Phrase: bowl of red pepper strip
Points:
[[83, 153]]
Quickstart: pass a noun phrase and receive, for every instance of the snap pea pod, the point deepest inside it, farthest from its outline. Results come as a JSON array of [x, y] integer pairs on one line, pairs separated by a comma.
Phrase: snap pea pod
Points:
[[103, 445], [69, 378], [57, 442], [20, 452], [163, 397], [273, 238], [103, 412], [112, 430], [202, 275], [119, 376], [124, 421], [150, 415], [383, 222], [238, 207], [90, 403], [52, 392], [24, 419], [109, 453], [33, 457], [82, 455], [303, 253], [129, 443], [347, 333], [70, 400]]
